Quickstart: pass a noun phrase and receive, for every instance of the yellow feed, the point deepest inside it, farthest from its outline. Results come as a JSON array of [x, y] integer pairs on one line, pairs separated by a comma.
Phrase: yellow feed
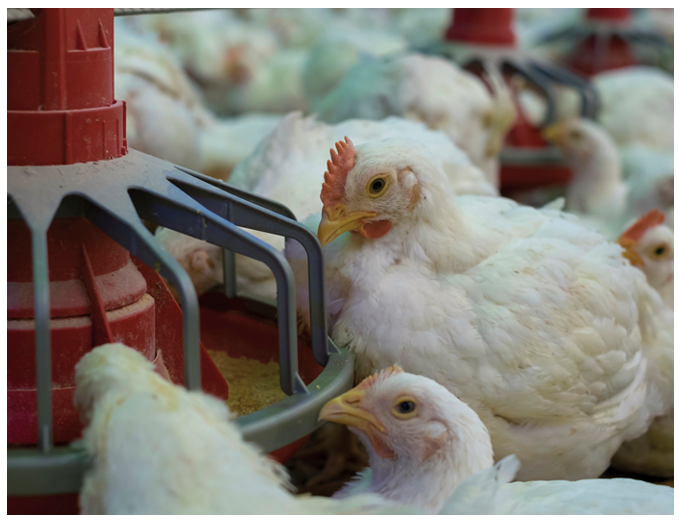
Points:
[[252, 385]]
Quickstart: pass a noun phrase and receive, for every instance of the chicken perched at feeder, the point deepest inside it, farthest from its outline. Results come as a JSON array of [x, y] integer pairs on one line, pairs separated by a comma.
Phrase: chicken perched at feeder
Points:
[[159, 449], [598, 191], [597, 188], [429, 449], [539, 324], [285, 167], [431, 90]]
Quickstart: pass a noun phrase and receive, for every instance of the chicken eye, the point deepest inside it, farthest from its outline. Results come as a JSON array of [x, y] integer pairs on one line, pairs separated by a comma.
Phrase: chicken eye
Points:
[[659, 251], [576, 135], [377, 186], [406, 407]]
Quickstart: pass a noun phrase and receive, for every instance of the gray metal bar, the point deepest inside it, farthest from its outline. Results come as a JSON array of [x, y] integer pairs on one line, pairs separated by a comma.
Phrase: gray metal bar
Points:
[[177, 211], [534, 76], [588, 93], [229, 271], [43, 350], [248, 215], [136, 238], [269, 204]]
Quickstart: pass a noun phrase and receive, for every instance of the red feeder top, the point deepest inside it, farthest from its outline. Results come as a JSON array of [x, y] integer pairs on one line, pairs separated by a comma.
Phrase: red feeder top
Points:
[[491, 26], [609, 15], [61, 106]]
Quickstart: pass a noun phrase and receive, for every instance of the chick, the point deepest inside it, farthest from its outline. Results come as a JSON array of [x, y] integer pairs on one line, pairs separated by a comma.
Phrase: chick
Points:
[[429, 449]]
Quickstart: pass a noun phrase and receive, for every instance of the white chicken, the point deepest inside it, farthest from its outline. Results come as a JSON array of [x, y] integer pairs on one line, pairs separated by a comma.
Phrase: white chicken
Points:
[[218, 48], [159, 449], [285, 167], [429, 449], [338, 50], [431, 90], [649, 245], [597, 188], [228, 141], [610, 188], [165, 114], [540, 325]]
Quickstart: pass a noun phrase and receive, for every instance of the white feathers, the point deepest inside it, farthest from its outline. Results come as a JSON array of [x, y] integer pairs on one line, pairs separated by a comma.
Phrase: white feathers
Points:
[[158, 449], [536, 322]]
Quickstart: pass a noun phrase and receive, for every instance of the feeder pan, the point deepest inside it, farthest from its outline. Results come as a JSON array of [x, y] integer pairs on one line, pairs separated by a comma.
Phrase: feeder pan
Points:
[[606, 39], [481, 40], [84, 269]]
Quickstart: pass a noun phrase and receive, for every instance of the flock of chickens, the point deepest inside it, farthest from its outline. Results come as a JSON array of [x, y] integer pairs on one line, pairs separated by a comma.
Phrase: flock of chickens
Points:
[[493, 341]]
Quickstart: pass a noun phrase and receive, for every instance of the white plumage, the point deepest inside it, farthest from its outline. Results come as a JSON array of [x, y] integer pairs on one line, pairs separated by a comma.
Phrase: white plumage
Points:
[[536, 322], [158, 449], [287, 166], [429, 449], [431, 90]]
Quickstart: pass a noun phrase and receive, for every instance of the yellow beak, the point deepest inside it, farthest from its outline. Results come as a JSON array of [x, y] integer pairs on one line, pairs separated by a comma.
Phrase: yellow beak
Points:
[[629, 251], [335, 223], [555, 133], [346, 409]]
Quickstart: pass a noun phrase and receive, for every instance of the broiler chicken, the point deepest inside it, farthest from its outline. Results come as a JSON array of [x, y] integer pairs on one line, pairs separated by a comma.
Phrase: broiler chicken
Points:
[[597, 188], [431, 90], [539, 324], [429, 449], [285, 167], [158, 449], [649, 245], [166, 116], [609, 188]]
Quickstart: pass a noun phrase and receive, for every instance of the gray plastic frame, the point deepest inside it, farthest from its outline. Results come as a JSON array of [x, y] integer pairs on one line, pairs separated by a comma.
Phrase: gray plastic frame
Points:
[[115, 196]]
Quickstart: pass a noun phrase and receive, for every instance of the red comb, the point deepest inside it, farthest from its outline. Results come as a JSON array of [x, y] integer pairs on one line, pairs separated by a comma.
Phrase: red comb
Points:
[[369, 381], [649, 220], [338, 169]]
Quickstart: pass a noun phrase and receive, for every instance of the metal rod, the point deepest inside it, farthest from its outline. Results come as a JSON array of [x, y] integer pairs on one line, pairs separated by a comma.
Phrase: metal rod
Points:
[[136, 238], [43, 351], [249, 215], [177, 211], [229, 271]]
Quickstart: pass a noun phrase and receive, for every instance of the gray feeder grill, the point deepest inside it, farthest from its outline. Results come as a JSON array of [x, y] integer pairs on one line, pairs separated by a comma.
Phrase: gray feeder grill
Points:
[[115, 195], [482, 40]]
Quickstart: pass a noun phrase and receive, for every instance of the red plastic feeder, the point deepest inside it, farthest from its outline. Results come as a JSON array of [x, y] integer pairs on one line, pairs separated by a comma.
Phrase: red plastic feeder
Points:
[[606, 39], [61, 111], [482, 38]]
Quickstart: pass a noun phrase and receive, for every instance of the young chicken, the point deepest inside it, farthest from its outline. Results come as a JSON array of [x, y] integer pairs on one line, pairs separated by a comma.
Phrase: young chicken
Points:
[[165, 114], [159, 449], [429, 449], [649, 245], [597, 188], [431, 90], [610, 187], [540, 325], [285, 167]]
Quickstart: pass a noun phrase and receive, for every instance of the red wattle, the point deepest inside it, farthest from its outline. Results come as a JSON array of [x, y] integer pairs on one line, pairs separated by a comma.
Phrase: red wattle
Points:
[[375, 229]]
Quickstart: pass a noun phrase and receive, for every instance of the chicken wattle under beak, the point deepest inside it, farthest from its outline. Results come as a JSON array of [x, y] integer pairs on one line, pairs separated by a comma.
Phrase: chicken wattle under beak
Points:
[[555, 133], [336, 222], [346, 409]]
